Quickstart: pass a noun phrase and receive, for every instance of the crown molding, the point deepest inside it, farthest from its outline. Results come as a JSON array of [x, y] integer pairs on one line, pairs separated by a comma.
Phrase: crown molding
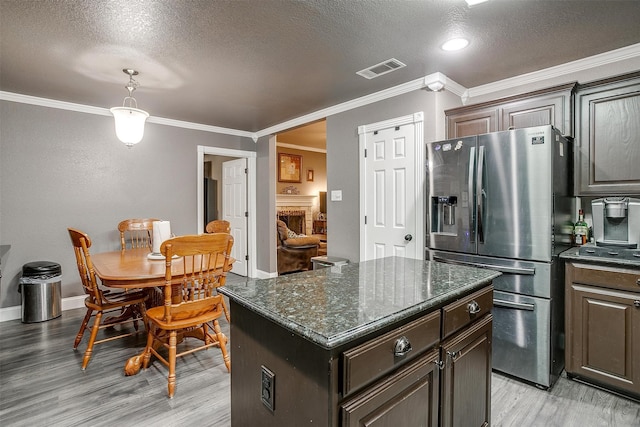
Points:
[[81, 108], [606, 58], [345, 106]]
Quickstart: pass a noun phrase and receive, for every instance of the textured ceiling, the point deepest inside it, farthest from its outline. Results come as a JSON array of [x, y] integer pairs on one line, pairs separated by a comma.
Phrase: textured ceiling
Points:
[[249, 65]]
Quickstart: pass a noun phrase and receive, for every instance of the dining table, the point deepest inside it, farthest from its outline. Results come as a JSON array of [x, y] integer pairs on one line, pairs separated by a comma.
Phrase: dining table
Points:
[[136, 269]]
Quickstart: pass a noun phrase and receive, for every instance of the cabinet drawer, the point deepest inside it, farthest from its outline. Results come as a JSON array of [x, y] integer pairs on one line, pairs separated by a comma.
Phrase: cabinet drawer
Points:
[[459, 314], [371, 360], [602, 275]]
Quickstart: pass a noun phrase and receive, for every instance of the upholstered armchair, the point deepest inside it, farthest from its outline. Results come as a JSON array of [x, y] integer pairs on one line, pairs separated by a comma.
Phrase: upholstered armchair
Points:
[[295, 251]]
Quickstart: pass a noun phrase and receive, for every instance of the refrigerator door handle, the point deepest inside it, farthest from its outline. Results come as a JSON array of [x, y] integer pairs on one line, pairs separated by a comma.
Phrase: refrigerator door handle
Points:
[[481, 194], [472, 224], [515, 305], [500, 268]]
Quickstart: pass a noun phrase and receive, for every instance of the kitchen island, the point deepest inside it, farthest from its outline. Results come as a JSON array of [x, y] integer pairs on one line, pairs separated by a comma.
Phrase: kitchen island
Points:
[[379, 341]]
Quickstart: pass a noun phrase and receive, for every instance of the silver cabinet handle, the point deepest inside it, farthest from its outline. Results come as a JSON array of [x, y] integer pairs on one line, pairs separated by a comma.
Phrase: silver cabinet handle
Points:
[[401, 347], [637, 303], [454, 354], [473, 307]]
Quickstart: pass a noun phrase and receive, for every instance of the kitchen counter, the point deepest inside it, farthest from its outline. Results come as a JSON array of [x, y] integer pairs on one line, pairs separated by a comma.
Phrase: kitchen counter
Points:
[[326, 347], [332, 306], [573, 255]]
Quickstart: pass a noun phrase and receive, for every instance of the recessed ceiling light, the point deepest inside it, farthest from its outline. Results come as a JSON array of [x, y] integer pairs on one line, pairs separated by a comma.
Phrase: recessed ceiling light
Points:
[[455, 44], [475, 2]]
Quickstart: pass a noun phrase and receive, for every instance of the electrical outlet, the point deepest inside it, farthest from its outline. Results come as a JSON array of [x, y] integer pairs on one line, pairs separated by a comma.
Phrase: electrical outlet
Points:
[[268, 388]]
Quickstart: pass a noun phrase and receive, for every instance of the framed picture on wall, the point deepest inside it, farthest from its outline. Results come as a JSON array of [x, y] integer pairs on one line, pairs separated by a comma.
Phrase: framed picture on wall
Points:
[[289, 167]]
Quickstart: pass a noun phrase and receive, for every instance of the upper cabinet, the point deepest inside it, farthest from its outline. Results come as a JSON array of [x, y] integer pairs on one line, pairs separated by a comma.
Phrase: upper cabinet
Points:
[[552, 106], [607, 144]]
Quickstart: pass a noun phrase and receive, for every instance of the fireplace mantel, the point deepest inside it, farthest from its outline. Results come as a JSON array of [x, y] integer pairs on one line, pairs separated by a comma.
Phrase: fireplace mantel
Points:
[[294, 200]]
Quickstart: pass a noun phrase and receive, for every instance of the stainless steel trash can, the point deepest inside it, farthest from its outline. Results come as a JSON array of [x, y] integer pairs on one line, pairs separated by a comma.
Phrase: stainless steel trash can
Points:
[[328, 261], [41, 288]]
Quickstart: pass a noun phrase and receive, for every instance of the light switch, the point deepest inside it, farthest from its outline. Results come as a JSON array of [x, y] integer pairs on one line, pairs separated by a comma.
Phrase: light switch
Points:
[[336, 195]]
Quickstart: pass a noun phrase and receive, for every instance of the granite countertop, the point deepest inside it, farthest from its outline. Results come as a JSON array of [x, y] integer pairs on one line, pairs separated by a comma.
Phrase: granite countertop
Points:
[[573, 255], [332, 306]]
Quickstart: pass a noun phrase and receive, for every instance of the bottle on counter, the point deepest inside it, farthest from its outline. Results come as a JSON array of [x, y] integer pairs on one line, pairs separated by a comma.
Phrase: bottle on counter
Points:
[[581, 230]]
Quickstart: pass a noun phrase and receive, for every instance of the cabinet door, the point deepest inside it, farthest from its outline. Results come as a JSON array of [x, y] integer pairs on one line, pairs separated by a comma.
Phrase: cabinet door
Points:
[[472, 123], [608, 138], [553, 110], [466, 378], [604, 335], [407, 398]]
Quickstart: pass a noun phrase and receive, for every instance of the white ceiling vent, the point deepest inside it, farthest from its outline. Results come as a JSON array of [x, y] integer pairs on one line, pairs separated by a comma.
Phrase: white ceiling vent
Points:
[[382, 68]]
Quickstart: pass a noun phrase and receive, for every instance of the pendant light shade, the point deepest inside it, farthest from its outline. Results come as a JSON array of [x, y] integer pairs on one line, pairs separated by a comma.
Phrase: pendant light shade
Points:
[[128, 118], [129, 124]]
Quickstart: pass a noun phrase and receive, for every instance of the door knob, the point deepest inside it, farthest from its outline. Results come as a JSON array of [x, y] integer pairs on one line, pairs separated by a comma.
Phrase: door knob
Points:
[[408, 237]]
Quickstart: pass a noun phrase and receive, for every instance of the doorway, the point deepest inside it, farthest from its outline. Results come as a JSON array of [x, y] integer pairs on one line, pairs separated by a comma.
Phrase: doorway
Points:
[[307, 143], [247, 235]]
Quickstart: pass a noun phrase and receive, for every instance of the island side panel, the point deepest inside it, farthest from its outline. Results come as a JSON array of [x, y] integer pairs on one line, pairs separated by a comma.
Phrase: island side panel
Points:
[[302, 374]]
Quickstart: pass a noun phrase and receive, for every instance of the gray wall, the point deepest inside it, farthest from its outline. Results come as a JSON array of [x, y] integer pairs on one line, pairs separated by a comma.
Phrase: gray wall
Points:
[[266, 204], [62, 169], [343, 222]]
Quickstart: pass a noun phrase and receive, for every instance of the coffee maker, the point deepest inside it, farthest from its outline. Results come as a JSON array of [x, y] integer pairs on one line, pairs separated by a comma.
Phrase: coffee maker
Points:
[[616, 222]]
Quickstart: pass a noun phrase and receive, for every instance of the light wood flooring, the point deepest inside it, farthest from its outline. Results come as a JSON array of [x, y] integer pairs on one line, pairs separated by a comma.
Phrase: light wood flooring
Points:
[[41, 384]]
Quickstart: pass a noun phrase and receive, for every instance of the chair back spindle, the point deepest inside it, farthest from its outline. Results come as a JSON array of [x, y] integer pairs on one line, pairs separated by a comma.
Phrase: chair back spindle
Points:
[[136, 233]]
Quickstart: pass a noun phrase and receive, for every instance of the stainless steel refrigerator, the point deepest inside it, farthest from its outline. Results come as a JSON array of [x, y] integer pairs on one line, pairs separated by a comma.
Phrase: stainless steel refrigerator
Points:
[[502, 201]]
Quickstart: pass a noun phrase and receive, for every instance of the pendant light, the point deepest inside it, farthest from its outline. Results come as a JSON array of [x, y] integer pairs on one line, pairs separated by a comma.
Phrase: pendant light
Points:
[[129, 119]]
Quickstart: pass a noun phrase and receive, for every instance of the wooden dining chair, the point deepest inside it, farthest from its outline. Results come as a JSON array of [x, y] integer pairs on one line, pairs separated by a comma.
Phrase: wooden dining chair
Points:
[[192, 305], [218, 226], [130, 304], [136, 233]]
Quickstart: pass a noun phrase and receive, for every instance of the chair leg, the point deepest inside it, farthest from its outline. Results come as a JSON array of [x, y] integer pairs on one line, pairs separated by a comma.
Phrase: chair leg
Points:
[[173, 340], [147, 350], [83, 326], [223, 344], [94, 333]]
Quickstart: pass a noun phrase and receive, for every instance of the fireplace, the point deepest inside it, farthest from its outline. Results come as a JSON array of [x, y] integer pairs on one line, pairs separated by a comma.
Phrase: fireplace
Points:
[[295, 220]]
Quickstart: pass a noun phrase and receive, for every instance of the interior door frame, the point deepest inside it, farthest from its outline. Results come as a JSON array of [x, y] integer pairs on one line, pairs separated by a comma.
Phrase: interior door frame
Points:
[[251, 196], [417, 119]]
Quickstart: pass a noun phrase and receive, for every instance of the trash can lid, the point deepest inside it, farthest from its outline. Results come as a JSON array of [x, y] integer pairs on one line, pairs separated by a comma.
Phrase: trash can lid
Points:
[[41, 268]]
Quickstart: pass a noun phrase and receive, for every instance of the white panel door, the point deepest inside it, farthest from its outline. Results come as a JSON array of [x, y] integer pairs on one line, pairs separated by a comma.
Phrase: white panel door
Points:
[[390, 206], [234, 209]]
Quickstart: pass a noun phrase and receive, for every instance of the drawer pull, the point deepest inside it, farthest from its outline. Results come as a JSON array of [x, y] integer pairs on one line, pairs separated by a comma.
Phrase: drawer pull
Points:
[[637, 303], [638, 282], [473, 307], [402, 347], [454, 354]]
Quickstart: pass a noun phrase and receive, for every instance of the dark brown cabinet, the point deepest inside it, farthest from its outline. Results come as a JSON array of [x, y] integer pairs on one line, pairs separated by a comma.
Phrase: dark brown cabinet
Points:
[[459, 366], [408, 398], [552, 106], [603, 325], [607, 144], [466, 378]]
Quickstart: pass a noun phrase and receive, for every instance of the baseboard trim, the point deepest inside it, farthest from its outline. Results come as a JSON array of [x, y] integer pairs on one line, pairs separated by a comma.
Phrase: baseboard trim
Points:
[[15, 312], [265, 275]]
